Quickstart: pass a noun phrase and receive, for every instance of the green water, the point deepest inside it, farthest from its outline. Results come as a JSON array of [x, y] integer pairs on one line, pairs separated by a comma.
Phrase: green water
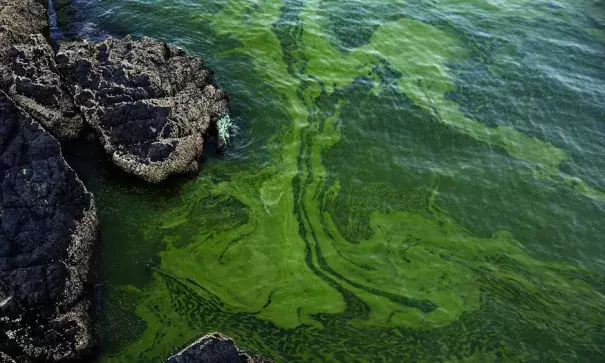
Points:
[[410, 181]]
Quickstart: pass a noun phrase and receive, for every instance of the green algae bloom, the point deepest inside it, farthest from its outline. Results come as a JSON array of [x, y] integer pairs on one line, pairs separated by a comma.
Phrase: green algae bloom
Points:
[[404, 187]]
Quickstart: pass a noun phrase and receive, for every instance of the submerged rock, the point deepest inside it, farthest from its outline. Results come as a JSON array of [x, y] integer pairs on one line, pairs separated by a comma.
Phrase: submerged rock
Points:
[[48, 229], [214, 348], [150, 104], [28, 73]]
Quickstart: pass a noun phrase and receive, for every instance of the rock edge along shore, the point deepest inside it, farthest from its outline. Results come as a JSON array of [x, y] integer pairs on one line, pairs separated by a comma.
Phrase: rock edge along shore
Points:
[[214, 348], [48, 223], [48, 232], [149, 104]]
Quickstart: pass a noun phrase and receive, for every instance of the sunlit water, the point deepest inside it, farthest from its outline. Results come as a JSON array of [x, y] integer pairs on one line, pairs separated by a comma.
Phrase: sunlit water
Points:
[[410, 180]]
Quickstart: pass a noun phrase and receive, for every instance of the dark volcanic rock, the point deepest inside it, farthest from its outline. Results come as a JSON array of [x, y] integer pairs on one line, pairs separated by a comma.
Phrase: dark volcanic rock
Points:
[[214, 348], [48, 229], [19, 19], [28, 73], [150, 104], [31, 78]]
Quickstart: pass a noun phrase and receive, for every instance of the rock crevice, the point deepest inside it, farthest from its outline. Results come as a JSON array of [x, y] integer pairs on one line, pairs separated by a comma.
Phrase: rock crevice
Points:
[[28, 72]]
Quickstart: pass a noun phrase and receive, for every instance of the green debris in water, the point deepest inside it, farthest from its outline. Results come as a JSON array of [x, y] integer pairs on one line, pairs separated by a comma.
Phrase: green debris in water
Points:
[[225, 127]]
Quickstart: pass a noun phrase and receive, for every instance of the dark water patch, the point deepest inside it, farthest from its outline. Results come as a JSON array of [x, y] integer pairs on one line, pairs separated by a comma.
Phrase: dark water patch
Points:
[[352, 22], [288, 29], [119, 326], [392, 147], [538, 81]]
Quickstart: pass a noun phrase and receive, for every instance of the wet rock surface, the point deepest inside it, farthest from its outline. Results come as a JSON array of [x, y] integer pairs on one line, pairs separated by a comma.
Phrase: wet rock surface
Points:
[[150, 104], [214, 348], [48, 230], [28, 73], [19, 19]]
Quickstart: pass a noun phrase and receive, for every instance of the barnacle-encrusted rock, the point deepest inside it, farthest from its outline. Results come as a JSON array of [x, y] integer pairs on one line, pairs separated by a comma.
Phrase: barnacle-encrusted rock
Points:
[[48, 228], [214, 348], [150, 104], [19, 19], [28, 73]]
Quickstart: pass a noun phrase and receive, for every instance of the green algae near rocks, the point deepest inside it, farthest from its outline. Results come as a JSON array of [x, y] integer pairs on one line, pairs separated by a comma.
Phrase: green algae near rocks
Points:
[[368, 210]]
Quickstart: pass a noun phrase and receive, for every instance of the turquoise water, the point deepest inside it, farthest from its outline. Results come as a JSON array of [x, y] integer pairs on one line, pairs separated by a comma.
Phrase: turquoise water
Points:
[[409, 181]]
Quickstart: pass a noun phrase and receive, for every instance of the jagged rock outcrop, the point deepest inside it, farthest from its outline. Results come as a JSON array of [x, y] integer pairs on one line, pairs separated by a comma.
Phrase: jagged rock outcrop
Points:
[[48, 230], [48, 225], [150, 104], [214, 348], [28, 73], [19, 19]]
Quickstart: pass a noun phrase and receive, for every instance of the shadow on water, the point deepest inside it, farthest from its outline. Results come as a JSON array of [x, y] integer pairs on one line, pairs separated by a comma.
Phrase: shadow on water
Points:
[[87, 157]]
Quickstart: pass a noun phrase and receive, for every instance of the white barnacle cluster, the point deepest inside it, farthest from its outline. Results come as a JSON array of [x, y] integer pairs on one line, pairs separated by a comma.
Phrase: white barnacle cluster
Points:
[[224, 126]]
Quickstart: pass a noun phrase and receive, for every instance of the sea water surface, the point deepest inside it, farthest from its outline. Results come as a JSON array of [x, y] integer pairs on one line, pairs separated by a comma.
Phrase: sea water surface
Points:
[[419, 180]]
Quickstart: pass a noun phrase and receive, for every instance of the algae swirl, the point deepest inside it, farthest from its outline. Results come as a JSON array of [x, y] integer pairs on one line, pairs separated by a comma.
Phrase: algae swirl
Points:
[[404, 186]]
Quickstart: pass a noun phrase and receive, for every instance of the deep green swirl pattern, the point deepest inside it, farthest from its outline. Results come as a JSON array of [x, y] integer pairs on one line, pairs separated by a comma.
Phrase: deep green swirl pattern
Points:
[[410, 181]]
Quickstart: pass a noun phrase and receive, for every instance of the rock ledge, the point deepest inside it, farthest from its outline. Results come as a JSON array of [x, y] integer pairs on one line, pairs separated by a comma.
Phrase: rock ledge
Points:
[[150, 104], [214, 348]]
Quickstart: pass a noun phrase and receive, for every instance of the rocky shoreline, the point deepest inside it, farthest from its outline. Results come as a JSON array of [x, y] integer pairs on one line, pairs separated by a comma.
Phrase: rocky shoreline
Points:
[[150, 105], [49, 230]]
